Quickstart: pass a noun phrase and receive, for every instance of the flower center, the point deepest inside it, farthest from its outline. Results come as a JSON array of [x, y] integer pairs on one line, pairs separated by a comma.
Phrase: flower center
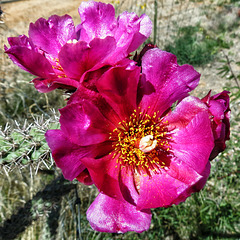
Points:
[[147, 144], [141, 143]]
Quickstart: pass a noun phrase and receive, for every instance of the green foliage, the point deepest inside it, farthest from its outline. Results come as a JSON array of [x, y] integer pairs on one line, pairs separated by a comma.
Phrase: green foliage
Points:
[[226, 2], [193, 45], [226, 71]]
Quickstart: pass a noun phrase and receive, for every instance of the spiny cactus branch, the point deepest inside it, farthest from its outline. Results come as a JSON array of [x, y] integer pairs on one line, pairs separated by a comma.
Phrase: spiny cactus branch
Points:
[[24, 144]]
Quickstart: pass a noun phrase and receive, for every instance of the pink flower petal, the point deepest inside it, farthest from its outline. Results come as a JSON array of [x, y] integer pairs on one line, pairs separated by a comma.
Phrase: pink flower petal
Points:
[[78, 58], [164, 81], [66, 155], [132, 31], [47, 85], [69, 156], [21, 41], [50, 35], [172, 185], [109, 215], [85, 178], [104, 173], [98, 20], [84, 124], [185, 111], [194, 143], [160, 190], [44, 85], [93, 96], [119, 87], [30, 61], [195, 187], [128, 182]]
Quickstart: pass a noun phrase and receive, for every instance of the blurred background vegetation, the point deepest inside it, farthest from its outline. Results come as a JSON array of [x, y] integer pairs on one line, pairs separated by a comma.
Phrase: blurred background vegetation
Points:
[[37, 203]]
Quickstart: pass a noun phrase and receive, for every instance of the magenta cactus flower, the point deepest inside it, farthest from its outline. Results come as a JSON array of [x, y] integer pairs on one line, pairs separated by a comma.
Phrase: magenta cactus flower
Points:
[[127, 140], [60, 55], [220, 115]]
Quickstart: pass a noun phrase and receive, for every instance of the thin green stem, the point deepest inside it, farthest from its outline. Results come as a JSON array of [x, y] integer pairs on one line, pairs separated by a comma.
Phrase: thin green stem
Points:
[[155, 21]]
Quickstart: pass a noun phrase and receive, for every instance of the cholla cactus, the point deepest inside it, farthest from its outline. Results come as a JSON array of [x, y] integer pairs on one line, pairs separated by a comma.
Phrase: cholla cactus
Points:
[[24, 145]]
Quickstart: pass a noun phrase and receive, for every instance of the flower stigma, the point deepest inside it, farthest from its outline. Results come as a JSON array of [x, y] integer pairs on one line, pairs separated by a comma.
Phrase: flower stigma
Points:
[[147, 144], [72, 41], [142, 143]]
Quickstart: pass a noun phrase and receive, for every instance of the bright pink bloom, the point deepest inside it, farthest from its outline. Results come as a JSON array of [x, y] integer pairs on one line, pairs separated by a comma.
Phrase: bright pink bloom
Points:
[[135, 148], [60, 54], [220, 115]]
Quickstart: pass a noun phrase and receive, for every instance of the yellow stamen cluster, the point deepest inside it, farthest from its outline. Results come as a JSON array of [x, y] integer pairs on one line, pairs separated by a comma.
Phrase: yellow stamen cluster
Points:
[[58, 67], [127, 136]]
